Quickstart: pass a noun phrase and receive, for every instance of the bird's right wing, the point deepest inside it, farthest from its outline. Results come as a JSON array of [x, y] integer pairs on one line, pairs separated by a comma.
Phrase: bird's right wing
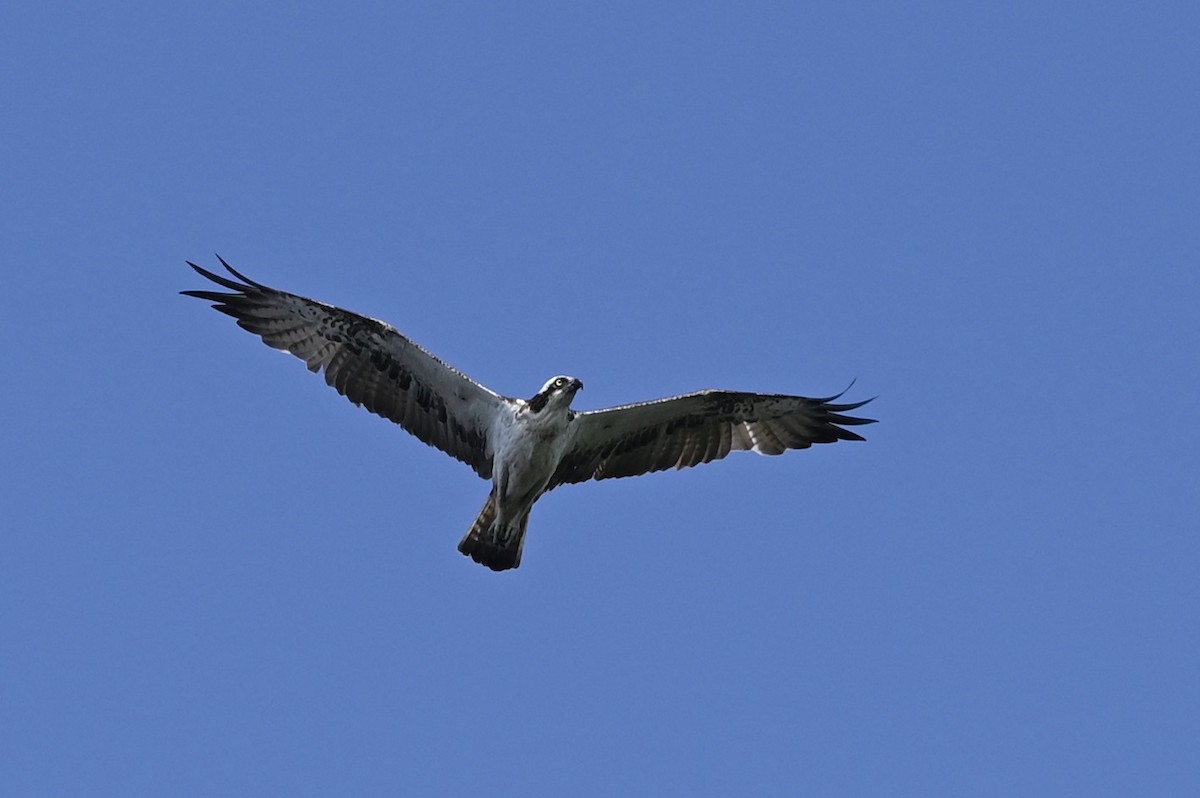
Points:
[[695, 428], [369, 363]]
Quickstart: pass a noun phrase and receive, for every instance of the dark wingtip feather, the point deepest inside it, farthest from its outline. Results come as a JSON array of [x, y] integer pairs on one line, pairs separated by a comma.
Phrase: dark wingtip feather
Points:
[[825, 400], [245, 288], [852, 421], [208, 296], [834, 418], [833, 411], [238, 274], [847, 406], [218, 279]]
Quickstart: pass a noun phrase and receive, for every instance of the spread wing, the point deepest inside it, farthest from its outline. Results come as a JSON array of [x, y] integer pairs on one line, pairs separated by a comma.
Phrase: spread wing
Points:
[[369, 363], [696, 428]]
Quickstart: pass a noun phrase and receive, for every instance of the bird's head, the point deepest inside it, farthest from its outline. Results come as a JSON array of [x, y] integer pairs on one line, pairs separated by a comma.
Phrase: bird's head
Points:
[[558, 392]]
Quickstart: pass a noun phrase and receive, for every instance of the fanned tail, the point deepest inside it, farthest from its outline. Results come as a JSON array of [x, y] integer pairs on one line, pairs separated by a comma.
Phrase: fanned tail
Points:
[[501, 555]]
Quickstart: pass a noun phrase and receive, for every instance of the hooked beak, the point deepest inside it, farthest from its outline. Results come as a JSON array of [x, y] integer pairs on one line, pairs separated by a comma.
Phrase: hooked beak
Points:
[[578, 384]]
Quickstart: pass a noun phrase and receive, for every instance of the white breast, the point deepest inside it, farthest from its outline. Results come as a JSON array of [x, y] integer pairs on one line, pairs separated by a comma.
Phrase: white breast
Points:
[[528, 449]]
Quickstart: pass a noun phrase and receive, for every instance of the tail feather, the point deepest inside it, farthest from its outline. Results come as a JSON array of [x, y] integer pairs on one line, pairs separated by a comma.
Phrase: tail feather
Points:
[[478, 544]]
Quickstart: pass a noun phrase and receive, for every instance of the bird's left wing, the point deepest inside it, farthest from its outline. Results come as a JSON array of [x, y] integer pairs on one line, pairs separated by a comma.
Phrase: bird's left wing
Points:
[[696, 428], [369, 363]]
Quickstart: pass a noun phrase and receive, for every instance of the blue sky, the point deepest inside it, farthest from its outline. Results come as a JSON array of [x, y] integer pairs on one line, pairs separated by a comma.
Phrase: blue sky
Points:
[[219, 578]]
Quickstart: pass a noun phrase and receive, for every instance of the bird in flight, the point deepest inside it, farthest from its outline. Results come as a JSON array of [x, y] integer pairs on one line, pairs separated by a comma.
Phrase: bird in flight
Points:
[[526, 447]]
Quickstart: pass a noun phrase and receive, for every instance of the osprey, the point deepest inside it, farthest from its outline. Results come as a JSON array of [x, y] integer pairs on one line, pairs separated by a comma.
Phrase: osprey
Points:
[[525, 447]]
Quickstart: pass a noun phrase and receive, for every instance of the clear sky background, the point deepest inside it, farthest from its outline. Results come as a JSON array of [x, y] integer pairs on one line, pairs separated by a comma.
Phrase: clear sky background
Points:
[[217, 577]]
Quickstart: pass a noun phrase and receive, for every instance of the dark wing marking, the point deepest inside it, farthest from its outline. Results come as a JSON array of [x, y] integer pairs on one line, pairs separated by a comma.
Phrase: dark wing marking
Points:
[[369, 363], [696, 428]]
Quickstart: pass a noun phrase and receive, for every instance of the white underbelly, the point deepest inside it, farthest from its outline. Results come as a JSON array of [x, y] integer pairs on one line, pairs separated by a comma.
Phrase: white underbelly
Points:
[[527, 458]]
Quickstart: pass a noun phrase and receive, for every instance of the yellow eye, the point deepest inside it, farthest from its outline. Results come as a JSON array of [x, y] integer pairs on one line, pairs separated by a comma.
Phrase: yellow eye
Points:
[[560, 382]]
